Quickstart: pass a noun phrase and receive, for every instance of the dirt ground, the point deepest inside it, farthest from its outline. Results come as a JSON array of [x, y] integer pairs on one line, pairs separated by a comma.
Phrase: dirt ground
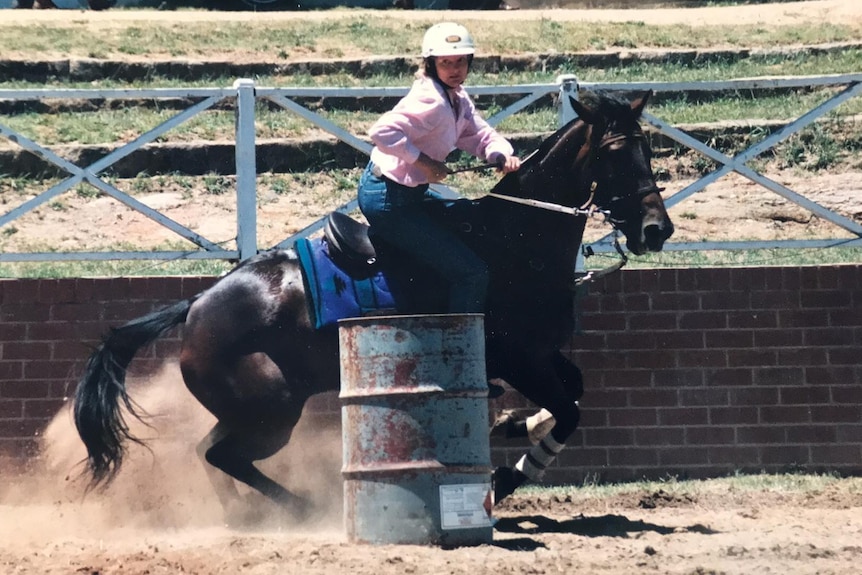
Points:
[[161, 517]]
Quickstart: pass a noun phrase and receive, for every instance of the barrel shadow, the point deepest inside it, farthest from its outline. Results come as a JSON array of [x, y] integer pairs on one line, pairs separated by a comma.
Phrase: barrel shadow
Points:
[[600, 526]]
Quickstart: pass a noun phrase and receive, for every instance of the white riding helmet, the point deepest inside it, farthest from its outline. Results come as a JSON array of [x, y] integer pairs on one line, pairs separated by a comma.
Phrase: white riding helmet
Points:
[[447, 39]]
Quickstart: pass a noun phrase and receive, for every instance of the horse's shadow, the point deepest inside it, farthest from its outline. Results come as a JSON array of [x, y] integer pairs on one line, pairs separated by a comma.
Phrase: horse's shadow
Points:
[[600, 526]]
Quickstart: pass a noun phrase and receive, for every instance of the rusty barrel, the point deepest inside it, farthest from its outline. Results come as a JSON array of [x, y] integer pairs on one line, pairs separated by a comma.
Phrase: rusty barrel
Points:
[[414, 412]]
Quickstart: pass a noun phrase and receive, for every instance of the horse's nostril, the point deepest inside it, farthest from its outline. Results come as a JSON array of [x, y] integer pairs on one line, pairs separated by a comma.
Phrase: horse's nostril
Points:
[[654, 237]]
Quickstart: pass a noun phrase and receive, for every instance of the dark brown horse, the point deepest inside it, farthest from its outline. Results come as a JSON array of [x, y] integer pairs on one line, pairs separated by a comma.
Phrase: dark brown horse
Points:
[[252, 356]]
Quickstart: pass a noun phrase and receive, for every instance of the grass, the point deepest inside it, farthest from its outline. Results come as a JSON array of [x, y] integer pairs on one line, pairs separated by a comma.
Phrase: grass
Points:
[[368, 34], [797, 483]]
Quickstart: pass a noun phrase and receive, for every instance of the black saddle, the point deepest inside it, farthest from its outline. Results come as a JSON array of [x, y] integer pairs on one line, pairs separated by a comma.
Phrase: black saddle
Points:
[[349, 245]]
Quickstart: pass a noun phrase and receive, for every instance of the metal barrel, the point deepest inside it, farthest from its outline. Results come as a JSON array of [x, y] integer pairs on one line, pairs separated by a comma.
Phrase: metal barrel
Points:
[[414, 412]]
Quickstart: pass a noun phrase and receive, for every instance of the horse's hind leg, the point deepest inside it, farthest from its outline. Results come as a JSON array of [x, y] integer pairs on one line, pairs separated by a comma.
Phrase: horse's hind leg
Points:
[[222, 483], [231, 453]]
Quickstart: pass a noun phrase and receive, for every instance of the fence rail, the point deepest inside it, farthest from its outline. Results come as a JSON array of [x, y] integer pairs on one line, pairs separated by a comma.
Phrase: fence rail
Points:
[[244, 94]]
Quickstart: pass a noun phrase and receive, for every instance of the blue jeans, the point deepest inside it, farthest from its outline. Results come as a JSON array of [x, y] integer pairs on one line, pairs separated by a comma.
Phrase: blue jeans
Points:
[[395, 214]]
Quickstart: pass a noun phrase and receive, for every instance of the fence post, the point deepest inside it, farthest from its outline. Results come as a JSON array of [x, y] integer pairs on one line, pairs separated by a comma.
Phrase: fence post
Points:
[[246, 170], [568, 87]]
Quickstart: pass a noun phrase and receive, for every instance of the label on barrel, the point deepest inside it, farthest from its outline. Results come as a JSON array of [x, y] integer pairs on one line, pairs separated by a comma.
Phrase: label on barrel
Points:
[[464, 506]]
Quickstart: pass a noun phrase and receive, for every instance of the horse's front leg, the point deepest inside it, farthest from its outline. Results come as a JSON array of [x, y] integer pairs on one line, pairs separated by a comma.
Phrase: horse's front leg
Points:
[[557, 393]]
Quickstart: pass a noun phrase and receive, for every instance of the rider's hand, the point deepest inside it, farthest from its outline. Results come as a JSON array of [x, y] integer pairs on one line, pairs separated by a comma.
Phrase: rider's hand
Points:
[[505, 163], [434, 171]]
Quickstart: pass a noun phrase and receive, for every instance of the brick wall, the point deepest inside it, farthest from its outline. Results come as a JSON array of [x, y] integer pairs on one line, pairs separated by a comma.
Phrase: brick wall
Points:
[[695, 373]]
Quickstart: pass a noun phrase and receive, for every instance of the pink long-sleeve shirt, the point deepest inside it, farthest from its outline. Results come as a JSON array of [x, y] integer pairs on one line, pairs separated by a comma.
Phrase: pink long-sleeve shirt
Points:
[[425, 121]]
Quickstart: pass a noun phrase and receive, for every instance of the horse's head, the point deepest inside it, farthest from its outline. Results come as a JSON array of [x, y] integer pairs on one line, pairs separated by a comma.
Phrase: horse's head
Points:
[[616, 159]]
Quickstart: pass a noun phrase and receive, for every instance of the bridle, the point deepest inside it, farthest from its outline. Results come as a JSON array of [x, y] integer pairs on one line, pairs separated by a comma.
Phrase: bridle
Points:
[[589, 208]]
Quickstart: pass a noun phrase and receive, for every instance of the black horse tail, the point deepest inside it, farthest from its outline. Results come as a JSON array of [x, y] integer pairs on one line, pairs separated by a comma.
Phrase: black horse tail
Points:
[[101, 392]]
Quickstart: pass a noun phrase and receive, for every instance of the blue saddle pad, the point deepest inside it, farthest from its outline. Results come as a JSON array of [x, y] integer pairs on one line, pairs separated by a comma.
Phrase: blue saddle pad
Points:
[[334, 295]]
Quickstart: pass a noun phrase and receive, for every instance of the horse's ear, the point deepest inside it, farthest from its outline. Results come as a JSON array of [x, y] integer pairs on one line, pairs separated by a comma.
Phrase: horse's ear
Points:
[[584, 113], [639, 104]]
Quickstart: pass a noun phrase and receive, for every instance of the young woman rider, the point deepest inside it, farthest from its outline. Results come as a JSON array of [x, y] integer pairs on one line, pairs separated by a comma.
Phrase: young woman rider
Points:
[[411, 143]]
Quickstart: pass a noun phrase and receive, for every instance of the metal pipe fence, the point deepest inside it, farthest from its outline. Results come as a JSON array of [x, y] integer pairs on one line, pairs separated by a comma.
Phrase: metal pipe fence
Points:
[[244, 95]]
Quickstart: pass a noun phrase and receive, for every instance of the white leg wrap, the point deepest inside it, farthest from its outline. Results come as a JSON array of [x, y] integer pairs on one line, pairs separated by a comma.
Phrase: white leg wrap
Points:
[[539, 425], [535, 461]]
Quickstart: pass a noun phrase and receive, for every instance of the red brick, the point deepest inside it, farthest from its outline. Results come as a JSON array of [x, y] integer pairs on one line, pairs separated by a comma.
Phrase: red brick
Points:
[[678, 378], [825, 299], [710, 435], [596, 437], [678, 340], [841, 374], [652, 321], [704, 396], [729, 377], [27, 350], [803, 356], [752, 319], [751, 357], [785, 454], [850, 433], [654, 359], [36, 370], [738, 456], [729, 338], [594, 417], [42, 408], [785, 414], [11, 409], [632, 417], [701, 358], [836, 413], [759, 434], [625, 378], [804, 395], [846, 317], [754, 396], [828, 337], [604, 322], [843, 356], [580, 457], [56, 291], [74, 312], [660, 436], [20, 389], [52, 331], [773, 300], [725, 301], [632, 456], [846, 393], [12, 331], [685, 456], [782, 376], [24, 312], [11, 370], [653, 397], [671, 301], [696, 320], [605, 398], [670, 416], [806, 434], [802, 318], [834, 454], [777, 338], [594, 360], [732, 415], [19, 428]]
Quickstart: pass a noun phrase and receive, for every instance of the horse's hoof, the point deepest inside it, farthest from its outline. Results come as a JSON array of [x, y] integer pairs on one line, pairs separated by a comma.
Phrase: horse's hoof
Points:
[[505, 480]]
